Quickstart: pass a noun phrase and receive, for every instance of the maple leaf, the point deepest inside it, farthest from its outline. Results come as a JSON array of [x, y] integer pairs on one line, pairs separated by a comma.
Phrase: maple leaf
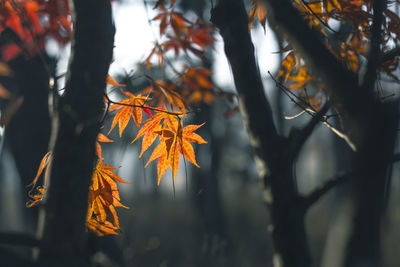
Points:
[[257, 10], [151, 126], [175, 140], [156, 51], [104, 197], [104, 139], [37, 192], [130, 107], [289, 62], [161, 92], [197, 86], [35, 196], [175, 19], [201, 33], [301, 79], [111, 81], [183, 36]]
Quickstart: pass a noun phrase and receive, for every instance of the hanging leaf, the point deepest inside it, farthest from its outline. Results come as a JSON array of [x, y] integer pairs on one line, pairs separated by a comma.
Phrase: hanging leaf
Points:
[[104, 197], [128, 108]]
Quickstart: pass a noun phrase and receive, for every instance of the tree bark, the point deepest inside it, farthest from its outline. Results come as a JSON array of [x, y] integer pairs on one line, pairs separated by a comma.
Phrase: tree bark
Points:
[[274, 154], [372, 124], [76, 123], [30, 122], [373, 161]]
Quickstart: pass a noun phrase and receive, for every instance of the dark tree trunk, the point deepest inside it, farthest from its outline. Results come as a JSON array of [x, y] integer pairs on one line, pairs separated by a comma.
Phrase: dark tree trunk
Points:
[[373, 161], [76, 123], [372, 124], [28, 132], [274, 154]]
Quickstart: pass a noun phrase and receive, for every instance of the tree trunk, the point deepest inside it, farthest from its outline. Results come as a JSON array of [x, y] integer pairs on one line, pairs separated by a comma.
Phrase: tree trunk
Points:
[[273, 153], [372, 124], [30, 122], [76, 123], [373, 161]]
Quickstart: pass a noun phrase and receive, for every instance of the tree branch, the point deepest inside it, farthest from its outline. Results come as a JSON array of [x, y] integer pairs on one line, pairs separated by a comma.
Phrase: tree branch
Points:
[[374, 51], [253, 104], [314, 196], [274, 166], [342, 91], [76, 124], [299, 137]]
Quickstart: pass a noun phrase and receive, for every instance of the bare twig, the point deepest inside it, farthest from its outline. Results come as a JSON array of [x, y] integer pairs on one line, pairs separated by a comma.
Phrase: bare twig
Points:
[[317, 17], [310, 111], [300, 137]]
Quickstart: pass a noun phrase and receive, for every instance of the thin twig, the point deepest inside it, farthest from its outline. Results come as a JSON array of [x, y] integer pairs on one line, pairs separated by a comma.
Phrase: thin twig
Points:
[[317, 17], [312, 112], [300, 137], [178, 114]]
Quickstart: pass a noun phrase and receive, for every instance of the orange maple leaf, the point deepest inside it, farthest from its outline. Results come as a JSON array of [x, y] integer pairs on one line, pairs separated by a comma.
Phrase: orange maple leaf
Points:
[[161, 92], [110, 80], [156, 51], [152, 125], [175, 140], [197, 85], [301, 79], [37, 192], [288, 63], [257, 10], [103, 139], [104, 197], [130, 107]]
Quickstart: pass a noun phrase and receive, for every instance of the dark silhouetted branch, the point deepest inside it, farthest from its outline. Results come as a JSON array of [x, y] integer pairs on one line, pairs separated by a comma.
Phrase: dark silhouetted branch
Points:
[[309, 42], [315, 195]]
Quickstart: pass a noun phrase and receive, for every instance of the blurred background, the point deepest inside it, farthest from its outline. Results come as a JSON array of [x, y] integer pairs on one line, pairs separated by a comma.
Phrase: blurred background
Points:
[[216, 215]]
